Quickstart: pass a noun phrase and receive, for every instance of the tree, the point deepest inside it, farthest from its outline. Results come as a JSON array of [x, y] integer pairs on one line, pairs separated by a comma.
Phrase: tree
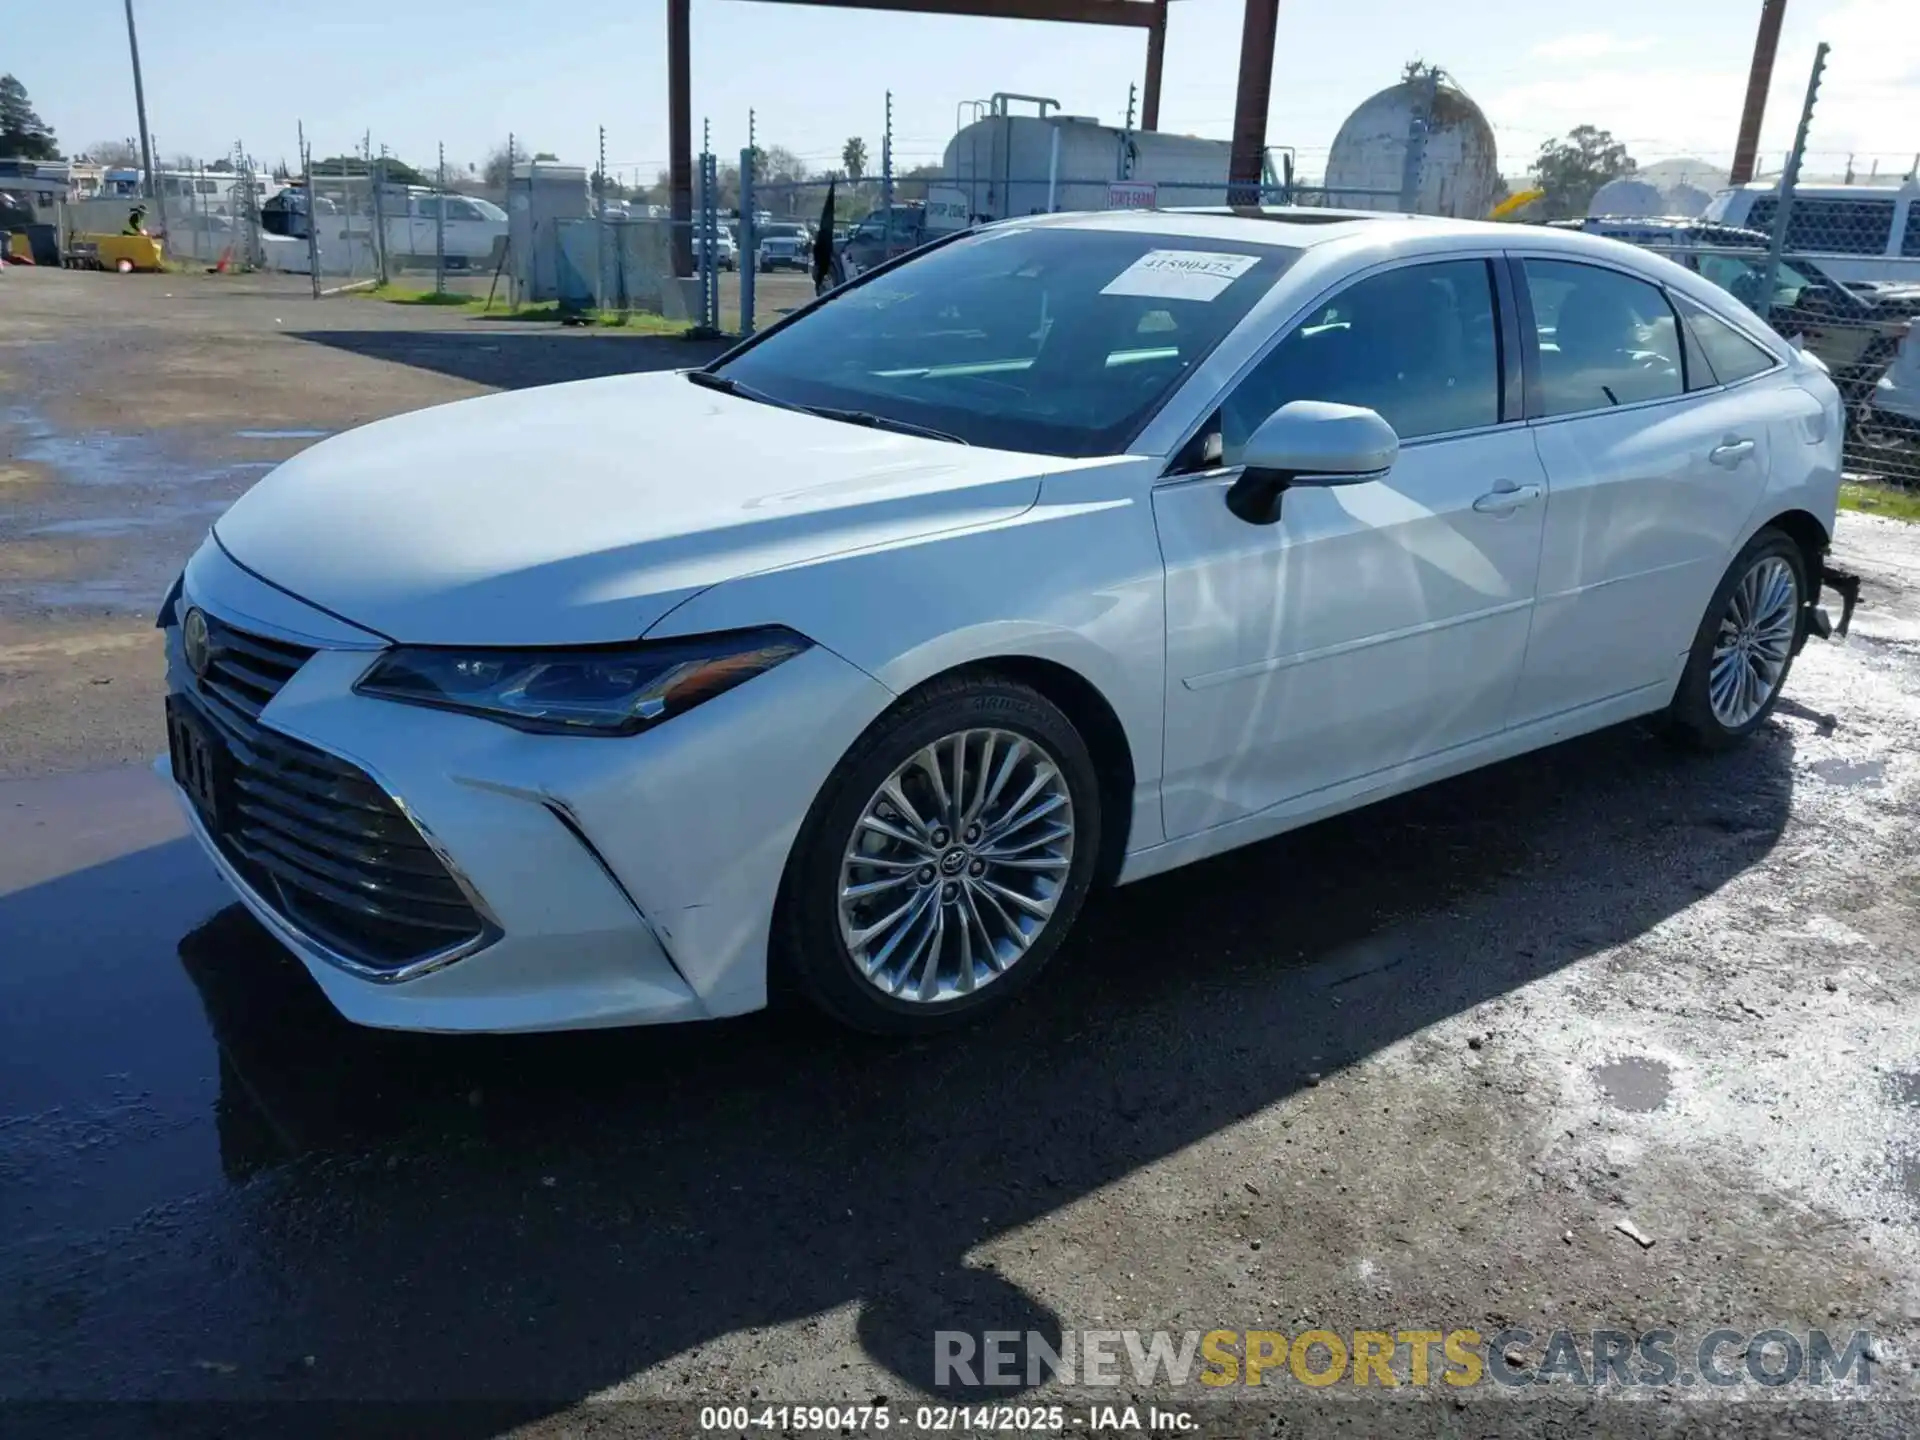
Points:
[[498, 169], [114, 153], [23, 134], [853, 158], [1571, 170], [395, 172]]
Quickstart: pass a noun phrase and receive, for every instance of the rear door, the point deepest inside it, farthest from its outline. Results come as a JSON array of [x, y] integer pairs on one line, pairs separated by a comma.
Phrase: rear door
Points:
[[1653, 473]]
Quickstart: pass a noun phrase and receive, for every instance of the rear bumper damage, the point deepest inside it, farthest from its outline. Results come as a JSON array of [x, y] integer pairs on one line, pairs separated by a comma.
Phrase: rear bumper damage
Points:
[[1843, 583]]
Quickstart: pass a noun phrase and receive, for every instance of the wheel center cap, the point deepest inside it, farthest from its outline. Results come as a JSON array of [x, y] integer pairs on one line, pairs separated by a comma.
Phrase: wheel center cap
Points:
[[954, 861]]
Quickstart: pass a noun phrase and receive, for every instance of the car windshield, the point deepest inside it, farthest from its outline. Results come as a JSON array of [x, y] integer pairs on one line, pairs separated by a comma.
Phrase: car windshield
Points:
[[1055, 340], [785, 232]]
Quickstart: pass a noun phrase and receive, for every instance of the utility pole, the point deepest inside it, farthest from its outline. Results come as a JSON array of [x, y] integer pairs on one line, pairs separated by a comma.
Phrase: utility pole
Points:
[[1259, 21], [440, 225], [152, 188], [1759, 79], [313, 210]]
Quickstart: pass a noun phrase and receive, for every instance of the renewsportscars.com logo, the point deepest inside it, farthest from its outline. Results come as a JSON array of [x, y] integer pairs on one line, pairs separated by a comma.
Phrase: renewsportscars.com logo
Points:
[[1387, 1359]]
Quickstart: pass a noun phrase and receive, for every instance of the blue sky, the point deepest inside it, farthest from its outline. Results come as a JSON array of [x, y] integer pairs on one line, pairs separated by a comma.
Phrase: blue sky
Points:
[[1666, 75]]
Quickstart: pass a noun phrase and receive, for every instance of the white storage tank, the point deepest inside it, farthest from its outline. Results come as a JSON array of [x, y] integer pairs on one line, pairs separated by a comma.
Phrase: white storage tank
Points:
[[1631, 196], [1007, 164], [1376, 163]]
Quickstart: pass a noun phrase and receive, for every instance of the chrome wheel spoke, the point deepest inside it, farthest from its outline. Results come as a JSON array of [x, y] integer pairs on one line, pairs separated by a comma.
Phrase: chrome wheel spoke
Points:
[[898, 796], [895, 833], [956, 865], [867, 888], [1039, 909]]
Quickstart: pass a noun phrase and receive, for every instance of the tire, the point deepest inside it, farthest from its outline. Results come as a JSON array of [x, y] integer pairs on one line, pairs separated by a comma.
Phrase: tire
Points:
[[1758, 574], [965, 948]]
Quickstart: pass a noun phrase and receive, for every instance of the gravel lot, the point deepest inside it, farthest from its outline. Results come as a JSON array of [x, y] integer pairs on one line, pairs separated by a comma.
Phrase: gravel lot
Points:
[[1407, 1069]]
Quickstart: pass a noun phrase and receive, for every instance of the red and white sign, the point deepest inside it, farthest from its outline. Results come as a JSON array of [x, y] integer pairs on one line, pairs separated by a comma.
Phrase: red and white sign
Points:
[[1132, 195]]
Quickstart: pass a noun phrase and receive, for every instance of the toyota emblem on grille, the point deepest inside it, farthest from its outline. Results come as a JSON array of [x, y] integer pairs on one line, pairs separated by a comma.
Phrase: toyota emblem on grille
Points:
[[195, 641]]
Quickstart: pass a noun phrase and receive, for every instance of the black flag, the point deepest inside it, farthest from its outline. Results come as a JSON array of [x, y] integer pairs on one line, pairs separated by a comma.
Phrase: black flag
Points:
[[823, 245]]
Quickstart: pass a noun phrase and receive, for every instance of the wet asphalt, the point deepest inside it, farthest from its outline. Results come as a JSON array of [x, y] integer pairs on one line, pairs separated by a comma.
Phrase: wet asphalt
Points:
[[1429, 1053]]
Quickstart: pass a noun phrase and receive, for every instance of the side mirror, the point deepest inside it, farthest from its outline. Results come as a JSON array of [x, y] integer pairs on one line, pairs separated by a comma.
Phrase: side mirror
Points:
[[1309, 442]]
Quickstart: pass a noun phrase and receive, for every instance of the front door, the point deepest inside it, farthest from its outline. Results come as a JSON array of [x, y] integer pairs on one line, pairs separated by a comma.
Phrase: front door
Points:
[[1374, 624]]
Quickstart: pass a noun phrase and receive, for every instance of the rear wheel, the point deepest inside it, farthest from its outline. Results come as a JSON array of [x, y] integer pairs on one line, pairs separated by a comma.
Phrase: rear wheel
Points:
[[944, 860], [1745, 644]]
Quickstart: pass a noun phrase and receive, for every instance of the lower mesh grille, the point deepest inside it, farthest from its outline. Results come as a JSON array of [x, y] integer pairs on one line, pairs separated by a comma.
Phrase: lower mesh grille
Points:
[[314, 834]]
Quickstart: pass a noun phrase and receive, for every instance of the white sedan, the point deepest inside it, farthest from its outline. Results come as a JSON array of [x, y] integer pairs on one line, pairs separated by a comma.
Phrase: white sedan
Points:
[[1059, 553]]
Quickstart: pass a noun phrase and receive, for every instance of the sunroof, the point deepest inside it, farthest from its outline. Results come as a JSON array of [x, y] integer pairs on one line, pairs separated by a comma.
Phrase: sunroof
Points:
[[1289, 214]]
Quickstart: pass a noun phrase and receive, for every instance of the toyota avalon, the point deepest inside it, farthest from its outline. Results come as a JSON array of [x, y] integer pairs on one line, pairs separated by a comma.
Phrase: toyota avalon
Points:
[[1056, 554]]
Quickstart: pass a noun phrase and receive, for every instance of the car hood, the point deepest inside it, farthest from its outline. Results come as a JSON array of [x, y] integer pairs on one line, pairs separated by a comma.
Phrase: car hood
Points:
[[583, 513]]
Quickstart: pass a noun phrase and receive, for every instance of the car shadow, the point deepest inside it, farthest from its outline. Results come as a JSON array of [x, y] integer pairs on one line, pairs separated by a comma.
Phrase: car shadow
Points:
[[549, 1215], [514, 360]]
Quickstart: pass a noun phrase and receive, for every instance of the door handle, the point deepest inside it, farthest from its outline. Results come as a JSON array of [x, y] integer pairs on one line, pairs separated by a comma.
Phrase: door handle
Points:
[[1505, 498], [1730, 453]]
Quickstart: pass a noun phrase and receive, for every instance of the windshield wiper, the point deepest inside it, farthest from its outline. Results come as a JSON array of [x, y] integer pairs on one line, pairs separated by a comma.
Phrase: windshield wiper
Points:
[[707, 380], [728, 386], [883, 422]]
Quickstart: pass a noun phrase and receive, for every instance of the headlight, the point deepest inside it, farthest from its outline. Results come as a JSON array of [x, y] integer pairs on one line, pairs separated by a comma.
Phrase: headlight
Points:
[[602, 690]]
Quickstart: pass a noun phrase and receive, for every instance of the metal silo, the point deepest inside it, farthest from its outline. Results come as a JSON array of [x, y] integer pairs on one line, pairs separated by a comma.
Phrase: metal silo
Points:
[[1418, 146]]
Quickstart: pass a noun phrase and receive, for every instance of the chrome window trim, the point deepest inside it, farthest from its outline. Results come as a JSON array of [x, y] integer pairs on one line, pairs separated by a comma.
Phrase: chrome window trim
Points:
[[1667, 291], [1487, 254]]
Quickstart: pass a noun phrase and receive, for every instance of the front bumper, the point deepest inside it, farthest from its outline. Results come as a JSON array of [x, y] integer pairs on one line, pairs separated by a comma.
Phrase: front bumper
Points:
[[625, 881]]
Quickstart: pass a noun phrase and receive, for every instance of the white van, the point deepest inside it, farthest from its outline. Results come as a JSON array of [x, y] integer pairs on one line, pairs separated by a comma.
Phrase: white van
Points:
[[1855, 232]]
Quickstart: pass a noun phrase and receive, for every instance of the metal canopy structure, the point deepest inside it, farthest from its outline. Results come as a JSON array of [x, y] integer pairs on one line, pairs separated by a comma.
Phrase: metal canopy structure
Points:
[[1250, 105]]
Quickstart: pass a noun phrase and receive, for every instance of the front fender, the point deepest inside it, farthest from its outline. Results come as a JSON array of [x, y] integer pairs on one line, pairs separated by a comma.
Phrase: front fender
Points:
[[1076, 580]]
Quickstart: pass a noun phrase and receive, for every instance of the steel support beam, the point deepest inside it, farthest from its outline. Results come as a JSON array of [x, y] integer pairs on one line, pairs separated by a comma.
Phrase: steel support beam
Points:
[[1156, 58], [680, 133], [1250, 101], [1076, 12], [1148, 15], [1759, 80]]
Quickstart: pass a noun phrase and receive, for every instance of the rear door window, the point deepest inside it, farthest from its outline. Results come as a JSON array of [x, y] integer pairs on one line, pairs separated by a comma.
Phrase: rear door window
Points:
[[1606, 338], [1728, 355]]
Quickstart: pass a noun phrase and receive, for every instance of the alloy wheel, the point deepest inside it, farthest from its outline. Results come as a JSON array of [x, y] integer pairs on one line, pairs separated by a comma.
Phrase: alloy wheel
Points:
[[1755, 642], [956, 865]]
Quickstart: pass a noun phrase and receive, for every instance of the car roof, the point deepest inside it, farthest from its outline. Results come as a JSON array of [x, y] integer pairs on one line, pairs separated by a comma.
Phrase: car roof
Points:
[[1313, 229]]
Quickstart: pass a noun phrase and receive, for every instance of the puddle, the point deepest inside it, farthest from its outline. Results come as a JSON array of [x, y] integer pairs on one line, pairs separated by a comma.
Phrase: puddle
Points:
[[281, 434], [1904, 1086], [1850, 772], [1635, 1083], [102, 457], [128, 524]]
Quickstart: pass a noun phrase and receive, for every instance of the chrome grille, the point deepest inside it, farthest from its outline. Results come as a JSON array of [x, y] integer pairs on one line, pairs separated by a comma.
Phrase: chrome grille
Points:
[[314, 834]]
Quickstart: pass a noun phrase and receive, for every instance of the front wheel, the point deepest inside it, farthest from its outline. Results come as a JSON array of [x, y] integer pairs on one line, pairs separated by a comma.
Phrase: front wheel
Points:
[[944, 860], [1745, 645]]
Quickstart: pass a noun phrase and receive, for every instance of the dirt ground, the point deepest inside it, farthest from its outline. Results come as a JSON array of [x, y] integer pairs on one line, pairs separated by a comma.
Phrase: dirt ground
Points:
[[1408, 1070]]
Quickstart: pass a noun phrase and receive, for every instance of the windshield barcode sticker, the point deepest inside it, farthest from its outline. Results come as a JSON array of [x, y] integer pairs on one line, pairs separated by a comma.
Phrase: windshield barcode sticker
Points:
[[1180, 274]]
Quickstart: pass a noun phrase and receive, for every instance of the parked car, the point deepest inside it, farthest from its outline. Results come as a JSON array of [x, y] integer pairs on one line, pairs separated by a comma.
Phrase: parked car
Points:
[[1058, 554], [883, 236], [726, 251], [1854, 328], [785, 245], [1893, 415]]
